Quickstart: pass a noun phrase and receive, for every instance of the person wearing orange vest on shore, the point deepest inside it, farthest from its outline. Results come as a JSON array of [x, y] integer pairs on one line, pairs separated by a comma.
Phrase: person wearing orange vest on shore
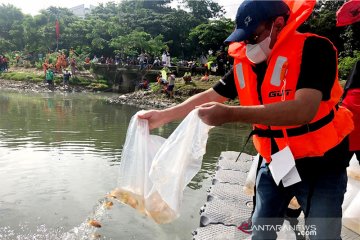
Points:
[[288, 88], [45, 66]]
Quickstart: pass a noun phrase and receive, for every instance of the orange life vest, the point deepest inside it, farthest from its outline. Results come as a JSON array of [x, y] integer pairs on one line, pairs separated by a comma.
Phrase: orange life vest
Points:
[[330, 124]]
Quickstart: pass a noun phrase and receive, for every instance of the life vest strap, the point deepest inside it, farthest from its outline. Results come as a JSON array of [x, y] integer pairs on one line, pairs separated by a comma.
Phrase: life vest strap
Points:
[[311, 127], [292, 132]]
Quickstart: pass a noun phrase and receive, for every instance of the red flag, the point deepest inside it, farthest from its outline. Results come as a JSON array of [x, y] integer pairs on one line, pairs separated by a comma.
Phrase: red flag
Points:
[[57, 29], [348, 13]]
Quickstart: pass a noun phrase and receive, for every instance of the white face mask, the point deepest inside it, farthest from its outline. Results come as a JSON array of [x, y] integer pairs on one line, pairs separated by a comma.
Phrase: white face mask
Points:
[[259, 52]]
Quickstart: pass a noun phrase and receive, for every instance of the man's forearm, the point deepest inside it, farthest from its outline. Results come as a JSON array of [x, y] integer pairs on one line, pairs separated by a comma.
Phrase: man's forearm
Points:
[[180, 111]]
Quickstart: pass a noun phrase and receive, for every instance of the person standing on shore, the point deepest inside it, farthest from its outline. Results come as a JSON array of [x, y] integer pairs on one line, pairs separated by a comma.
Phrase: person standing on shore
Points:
[[50, 77], [66, 77], [287, 85], [171, 84]]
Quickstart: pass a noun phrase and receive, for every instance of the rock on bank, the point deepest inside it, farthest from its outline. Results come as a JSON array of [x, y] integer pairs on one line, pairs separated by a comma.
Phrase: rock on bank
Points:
[[144, 99]]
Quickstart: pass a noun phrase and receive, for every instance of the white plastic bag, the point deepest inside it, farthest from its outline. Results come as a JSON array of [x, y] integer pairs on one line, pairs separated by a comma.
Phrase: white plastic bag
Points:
[[353, 170], [251, 177], [155, 172], [139, 150], [351, 204], [177, 162]]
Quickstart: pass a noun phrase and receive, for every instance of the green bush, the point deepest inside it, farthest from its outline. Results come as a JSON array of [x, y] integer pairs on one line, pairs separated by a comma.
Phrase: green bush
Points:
[[38, 79], [79, 81], [38, 65], [80, 68], [18, 77], [52, 58], [346, 64], [21, 76], [5, 75], [58, 79], [155, 87], [102, 81]]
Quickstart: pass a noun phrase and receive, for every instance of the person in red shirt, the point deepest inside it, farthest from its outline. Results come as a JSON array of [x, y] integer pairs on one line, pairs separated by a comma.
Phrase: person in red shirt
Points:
[[351, 100]]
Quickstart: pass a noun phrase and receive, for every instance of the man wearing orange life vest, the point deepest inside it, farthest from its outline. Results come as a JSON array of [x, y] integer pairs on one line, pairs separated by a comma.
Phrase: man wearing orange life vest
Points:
[[288, 89]]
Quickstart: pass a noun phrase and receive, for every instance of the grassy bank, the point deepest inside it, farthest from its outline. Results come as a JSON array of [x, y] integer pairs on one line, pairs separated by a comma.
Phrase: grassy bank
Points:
[[22, 76], [34, 75]]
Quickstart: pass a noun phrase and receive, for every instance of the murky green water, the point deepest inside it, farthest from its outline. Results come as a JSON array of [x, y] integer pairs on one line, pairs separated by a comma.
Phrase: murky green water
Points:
[[59, 156]]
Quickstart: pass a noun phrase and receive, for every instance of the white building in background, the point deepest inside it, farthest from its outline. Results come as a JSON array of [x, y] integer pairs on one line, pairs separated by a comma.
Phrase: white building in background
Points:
[[81, 10]]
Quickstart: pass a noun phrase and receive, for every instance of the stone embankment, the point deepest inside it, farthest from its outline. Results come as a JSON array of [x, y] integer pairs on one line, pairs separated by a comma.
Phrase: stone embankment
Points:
[[144, 99]]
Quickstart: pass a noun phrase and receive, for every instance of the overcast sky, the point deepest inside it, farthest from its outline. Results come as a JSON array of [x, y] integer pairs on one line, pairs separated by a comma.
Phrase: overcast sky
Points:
[[34, 6]]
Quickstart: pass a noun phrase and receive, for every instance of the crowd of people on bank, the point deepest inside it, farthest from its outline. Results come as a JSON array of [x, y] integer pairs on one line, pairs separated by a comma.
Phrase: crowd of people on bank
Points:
[[143, 60], [61, 66], [215, 62], [66, 65]]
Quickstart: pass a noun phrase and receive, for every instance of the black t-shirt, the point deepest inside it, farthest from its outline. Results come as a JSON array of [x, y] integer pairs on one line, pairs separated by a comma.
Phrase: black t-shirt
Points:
[[318, 71]]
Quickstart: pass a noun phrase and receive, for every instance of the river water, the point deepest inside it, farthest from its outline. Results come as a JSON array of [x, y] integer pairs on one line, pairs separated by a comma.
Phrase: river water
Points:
[[60, 156]]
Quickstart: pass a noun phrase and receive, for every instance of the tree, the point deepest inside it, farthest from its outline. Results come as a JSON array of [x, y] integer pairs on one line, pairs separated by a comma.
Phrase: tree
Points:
[[351, 39], [323, 22], [31, 34], [136, 42], [134, 25], [346, 64], [211, 35], [156, 17], [10, 27], [5, 45], [204, 9], [105, 12]]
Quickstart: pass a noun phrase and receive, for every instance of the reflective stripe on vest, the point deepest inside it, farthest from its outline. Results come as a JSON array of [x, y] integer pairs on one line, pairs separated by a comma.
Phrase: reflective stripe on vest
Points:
[[240, 75]]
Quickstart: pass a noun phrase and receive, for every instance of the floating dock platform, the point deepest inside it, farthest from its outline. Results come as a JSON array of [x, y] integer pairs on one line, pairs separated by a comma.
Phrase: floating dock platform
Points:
[[228, 206]]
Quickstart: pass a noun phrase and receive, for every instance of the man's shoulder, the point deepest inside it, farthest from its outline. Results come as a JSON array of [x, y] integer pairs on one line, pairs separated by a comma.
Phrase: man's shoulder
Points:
[[316, 41], [320, 46]]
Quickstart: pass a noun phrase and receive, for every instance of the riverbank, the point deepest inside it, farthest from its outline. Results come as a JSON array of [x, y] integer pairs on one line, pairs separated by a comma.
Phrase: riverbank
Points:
[[152, 98], [155, 97], [22, 79], [141, 99], [37, 87]]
